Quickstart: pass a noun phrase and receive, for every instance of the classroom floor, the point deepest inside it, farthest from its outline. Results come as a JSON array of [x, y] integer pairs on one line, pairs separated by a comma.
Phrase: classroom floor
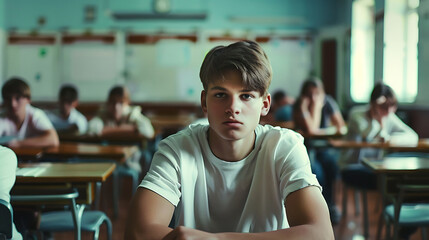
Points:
[[350, 228]]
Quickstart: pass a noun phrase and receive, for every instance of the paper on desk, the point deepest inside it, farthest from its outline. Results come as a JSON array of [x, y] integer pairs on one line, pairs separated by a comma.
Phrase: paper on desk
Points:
[[30, 171]]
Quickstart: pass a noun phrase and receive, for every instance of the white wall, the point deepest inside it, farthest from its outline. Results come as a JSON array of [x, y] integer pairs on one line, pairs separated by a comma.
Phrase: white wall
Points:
[[165, 71]]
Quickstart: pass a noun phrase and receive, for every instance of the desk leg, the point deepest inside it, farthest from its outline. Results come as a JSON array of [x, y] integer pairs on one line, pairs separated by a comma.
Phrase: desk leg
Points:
[[115, 194], [382, 182], [97, 195]]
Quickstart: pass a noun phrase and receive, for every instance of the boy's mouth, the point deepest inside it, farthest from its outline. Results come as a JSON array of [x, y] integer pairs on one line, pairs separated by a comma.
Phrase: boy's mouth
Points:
[[232, 123]]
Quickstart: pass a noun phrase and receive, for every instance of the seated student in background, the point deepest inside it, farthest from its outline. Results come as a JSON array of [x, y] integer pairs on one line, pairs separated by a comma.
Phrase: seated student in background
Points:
[[66, 119], [281, 109], [29, 126], [313, 112], [233, 178], [8, 167], [118, 118], [283, 106], [376, 121]]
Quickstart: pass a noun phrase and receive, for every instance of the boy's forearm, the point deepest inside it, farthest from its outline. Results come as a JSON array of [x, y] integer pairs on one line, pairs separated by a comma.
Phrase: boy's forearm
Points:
[[49, 139], [150, 232], [298, 232]]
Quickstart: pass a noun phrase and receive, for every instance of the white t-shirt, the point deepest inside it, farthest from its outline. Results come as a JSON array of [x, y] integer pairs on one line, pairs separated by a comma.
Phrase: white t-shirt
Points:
[[362, 128], [130, 115], [219, 196], [35, 123], [8, 167], [75, 118]]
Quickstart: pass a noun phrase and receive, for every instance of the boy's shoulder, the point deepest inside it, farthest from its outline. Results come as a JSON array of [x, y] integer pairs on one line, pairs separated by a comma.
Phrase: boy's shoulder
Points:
[[269, 133]]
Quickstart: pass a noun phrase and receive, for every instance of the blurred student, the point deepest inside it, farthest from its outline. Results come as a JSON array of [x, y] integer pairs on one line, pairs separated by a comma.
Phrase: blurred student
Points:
[[27, 125], [9, 164], [315, 111], [377, 122], [66, 119], [232, 178], [118, 118], [282, 106]]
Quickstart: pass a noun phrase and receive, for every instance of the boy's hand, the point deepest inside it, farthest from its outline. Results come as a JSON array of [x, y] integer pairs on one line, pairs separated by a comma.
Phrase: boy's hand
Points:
[[184, 233]]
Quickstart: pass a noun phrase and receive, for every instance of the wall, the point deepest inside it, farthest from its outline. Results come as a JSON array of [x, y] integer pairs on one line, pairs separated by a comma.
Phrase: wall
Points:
[[221, 14], [423, 54], [167, 70]]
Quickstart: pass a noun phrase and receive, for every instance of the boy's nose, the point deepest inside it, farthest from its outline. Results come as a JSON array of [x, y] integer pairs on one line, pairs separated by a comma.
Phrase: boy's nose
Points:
[[234, 106]]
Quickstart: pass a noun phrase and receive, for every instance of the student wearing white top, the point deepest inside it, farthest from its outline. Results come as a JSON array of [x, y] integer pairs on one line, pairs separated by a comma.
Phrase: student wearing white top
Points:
[[231, 179], [374, 122], [29, 126], [119, 118], [66, 119], [9, 164]]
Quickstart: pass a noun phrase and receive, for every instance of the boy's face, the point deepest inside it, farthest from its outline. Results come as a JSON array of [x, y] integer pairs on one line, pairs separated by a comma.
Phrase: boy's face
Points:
[[16, 105], [66, 107], [115, 107], [232, 110], [315, 94]]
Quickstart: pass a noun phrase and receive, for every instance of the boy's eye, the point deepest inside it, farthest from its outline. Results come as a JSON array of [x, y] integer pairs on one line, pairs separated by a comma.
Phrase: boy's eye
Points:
[[246, 96], [219, 95]]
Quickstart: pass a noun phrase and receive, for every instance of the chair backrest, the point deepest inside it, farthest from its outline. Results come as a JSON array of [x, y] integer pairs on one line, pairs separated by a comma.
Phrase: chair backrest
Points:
[[52, 197], [6, 219]]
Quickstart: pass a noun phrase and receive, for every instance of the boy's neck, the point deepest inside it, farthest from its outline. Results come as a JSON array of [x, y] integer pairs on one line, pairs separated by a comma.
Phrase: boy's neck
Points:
[[230, 151], [17, 120]]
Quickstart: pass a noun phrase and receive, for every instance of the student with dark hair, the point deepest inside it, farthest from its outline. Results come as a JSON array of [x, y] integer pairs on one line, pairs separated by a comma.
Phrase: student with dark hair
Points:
[[119, 118], [66, 119], [376, 121], [29, 126], [232, 178], [314, 112], [282, 106]]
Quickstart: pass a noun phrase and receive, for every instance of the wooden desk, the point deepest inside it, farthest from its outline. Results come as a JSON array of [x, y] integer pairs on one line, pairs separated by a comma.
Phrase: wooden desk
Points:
[[129, 139], [422, 146], [86, 177], [394, 171], [28, 153], [84, 150], [167, 124]]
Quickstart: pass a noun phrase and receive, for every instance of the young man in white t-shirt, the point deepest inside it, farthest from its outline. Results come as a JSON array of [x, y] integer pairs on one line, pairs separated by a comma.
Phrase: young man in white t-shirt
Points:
[[233, 178], [27, 125], [66, 119]]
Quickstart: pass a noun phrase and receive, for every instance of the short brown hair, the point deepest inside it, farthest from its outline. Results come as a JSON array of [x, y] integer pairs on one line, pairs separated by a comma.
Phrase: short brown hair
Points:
[[119, 91], [15, 86], [382, 90], [68, 94], [246, 57], [311, 82]]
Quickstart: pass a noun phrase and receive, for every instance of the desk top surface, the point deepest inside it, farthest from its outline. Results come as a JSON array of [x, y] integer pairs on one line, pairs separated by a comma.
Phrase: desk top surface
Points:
[[422, 145], [28, 152], [117, 152], [398, 164], [65, 172]]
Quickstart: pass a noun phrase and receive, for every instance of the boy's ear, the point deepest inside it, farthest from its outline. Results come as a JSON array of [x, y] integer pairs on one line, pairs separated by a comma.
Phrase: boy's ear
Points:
[[203, 101], [266, 103]]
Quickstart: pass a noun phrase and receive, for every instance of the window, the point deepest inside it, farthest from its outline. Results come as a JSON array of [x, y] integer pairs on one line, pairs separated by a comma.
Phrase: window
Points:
[[362, 50], [400, 48]]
